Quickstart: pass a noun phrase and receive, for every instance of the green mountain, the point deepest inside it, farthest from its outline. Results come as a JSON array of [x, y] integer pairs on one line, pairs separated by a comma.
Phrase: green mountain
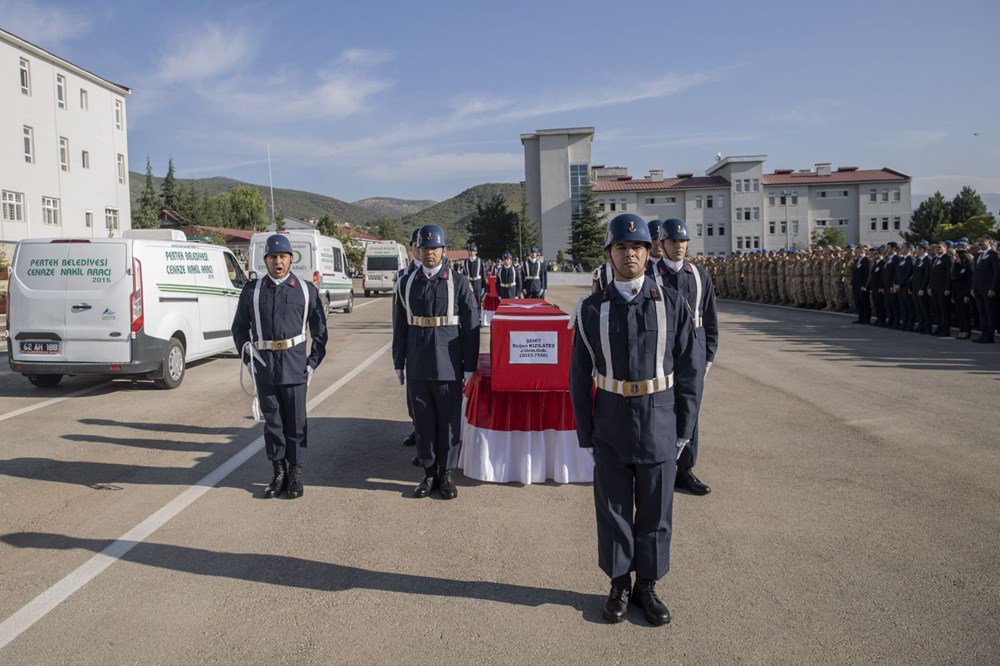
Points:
[[290, 203], [454, 214], [394, 208]]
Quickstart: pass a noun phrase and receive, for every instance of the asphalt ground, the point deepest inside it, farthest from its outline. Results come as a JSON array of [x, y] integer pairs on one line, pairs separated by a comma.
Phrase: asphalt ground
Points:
[[853, 518]]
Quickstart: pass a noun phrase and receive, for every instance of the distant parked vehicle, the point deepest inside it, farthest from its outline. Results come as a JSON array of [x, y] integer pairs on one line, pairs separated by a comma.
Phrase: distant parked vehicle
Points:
[[383, 261]]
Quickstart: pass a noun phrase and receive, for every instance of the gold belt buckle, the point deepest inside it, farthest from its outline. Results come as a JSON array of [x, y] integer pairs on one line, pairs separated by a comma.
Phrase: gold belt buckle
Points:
[[279, 345], [633, 389], [424, 322]]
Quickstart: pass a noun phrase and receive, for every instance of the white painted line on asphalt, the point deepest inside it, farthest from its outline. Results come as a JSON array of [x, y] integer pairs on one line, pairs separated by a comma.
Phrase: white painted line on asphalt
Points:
[[48, 600], [31, 408]]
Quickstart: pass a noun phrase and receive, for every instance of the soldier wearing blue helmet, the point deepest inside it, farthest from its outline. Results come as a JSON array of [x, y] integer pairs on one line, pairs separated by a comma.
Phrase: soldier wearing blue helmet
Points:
[[534, 277], [636, 341], [476, 272], [269, 328], [656, 250], [435, 347], [695, 286], [508, 278], [411, 439]]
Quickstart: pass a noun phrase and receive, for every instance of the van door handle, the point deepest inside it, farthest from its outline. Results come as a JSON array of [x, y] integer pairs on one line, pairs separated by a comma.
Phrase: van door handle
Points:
[[81, 306]]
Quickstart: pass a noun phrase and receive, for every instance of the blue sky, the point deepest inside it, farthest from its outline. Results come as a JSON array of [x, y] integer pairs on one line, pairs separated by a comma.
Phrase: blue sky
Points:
[[420, 100]]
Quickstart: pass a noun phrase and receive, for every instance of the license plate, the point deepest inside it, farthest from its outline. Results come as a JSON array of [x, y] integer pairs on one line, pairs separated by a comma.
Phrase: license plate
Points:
[[39, 347]]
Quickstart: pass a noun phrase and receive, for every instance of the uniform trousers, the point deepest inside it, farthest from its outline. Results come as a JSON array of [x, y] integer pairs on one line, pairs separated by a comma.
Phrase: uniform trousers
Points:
[[437, 420], [532, 289], [892, 313], [880, 311], [862, 305], [988, 314], [923, 311], [284, 409], [964, 311], [942, 310], [689, 456], [904, 304], [634, 505]]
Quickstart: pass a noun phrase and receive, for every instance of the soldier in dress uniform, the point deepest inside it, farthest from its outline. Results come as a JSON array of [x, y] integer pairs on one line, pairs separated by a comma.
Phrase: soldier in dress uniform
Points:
[[476, 272], [986, 289], [939, 290], [892, 312], [637, 341], [435, 347], [875, 287], [411, 439], [534, 276], [921, 279], [902, 281], [695, 286], [861, 270], [508, 278], [656, 251], [272, 317]]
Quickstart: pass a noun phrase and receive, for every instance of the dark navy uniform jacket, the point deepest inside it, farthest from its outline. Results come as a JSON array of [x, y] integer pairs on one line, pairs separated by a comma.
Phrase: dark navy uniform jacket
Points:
[[921, 272], [683, 282], [903, 275], [435, 353], [861, 272], [529, 269], [939, 278], [281, 310], [474, 269], [508, 275], [986, 272], [638, 430]]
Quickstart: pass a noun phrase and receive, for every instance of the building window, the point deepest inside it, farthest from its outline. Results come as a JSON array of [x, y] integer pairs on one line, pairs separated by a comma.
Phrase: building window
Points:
[[820, 223], [746, 184], [739, 214], [746, 214], [120, 112], [720, 201], [25, 77], [710, 229], [29, 144], [885, 196], [88, 219], [895, 196], [872, 196], [697, 230], [756, 185], [697, 202], [874, 222], [85, 159], [50, 210], [885, 224], [709, 201], [61, 91], [111, 218], [795, 227], [577, 177], [795, 199], [756, 242], [783, 201], [739, 185], [896, 222], [121, 168], [842, 222], [771, 226], [770, 199], [784, 228], [756, 213], [670, 200], [739, 242], [84, 102], [13, 206], [722, 230], [624, 204], [650, 200], [612, 206], [64, 153]]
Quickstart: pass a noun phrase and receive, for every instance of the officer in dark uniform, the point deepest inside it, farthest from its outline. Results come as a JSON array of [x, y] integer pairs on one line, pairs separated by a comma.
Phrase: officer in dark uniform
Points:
[[875, 286], [476, 272], [508, 278], [939, 290], [435, 341], [892, 314], [637, 342], [921, 279], [411, 439], [656, 251], [269, 329], [986, 289], [694, 284], [533, 275], [861, 272], [902, 280]]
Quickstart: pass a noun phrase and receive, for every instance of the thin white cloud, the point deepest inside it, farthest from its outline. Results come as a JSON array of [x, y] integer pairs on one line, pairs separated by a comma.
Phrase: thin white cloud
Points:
[[916, 139], [47, 27], [810, 113], [207, 52], [448, 165], [950, 184], [365, 57]]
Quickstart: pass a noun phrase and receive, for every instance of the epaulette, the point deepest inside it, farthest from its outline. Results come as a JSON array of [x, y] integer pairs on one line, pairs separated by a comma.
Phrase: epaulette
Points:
[[596, 274], [292, 282], [443, 274], [688, 268], [654, 293]]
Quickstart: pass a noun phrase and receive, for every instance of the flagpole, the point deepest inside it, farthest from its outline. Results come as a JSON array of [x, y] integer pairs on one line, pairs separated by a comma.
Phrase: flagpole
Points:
[[270, 183]]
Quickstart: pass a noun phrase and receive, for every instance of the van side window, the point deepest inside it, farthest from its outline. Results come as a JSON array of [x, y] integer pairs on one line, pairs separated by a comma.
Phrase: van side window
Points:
[[338, 260], [236, 275]]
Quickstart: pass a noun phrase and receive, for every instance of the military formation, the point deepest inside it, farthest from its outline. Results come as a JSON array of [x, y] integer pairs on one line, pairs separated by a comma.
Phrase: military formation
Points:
[[924, 287]]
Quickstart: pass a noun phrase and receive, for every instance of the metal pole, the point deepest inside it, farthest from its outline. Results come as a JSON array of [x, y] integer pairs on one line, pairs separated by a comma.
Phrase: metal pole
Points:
[[784, 195], [270, 183]]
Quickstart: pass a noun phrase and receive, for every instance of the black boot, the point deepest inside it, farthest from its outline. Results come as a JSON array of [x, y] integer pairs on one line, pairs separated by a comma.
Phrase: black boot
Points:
[[448, 488], [429, 483], [686, 480], [279, 482], [411, 439], [616, 606], [644, 596], [295, 488]]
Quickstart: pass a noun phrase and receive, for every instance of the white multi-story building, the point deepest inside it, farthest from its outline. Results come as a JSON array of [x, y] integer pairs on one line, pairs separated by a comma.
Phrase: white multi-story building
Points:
[[63, 147], [734, 206]]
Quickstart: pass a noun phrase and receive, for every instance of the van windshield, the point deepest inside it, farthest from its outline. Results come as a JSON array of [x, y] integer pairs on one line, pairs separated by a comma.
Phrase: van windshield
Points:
[[383, 263], [70, 266]]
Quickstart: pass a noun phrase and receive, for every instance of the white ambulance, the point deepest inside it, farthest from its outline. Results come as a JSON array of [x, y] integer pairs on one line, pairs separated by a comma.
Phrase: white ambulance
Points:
[[141, 306], [318, 258], [383, 261]]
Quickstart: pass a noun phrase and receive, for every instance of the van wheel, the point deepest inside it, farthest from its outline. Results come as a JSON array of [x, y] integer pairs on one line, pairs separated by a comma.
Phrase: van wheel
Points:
[[173, 366], [350, 303], [368, 293], [45, 381]]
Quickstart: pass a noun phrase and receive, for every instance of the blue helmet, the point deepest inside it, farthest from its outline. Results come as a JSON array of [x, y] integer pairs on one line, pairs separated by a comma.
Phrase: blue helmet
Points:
[[627, 227], [654, 228], [674, 229], [431, 235], [533, 249], [851, 246], [278, 244], [472, 248], [414, 236], [507, 255]]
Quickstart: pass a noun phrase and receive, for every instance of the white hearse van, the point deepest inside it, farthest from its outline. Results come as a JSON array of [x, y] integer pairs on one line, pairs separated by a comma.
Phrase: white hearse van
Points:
[[318, 258], [141, 306], [383, 260]]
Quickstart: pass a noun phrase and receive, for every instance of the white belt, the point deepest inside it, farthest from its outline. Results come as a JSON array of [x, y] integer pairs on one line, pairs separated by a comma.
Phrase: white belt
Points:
[[431, 322], [478, 277], [508, 284], [279, 345], [637, 388], [532, 277]]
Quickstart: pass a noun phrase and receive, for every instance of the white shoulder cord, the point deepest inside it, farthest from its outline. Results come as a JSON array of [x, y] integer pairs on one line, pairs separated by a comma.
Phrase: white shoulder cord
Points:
[[577, 319]]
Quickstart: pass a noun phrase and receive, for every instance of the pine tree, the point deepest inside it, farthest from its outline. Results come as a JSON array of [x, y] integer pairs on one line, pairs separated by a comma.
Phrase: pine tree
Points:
[[168, 188], [147, 213], [587, 232], [967, 204], [925, 224], [494, 228], [524, 231]]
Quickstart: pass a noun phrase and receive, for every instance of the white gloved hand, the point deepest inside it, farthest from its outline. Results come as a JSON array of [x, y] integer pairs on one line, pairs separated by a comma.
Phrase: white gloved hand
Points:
[[468, 376], [681, 443], [708, 366], [400, 376], [309, 375]]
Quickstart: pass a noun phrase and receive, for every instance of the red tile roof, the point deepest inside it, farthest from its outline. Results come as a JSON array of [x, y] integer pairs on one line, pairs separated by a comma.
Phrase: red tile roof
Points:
[[357, 233], [699, 182], [810, 177], [230, 234]]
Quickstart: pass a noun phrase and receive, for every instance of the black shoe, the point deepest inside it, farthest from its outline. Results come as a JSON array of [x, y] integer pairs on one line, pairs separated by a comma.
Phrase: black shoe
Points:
[[448, 488], [279, 482], [430, 482], [295, 489], [411, 439], [644, 596], [416, 461], [686, 480], [616, 606]]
